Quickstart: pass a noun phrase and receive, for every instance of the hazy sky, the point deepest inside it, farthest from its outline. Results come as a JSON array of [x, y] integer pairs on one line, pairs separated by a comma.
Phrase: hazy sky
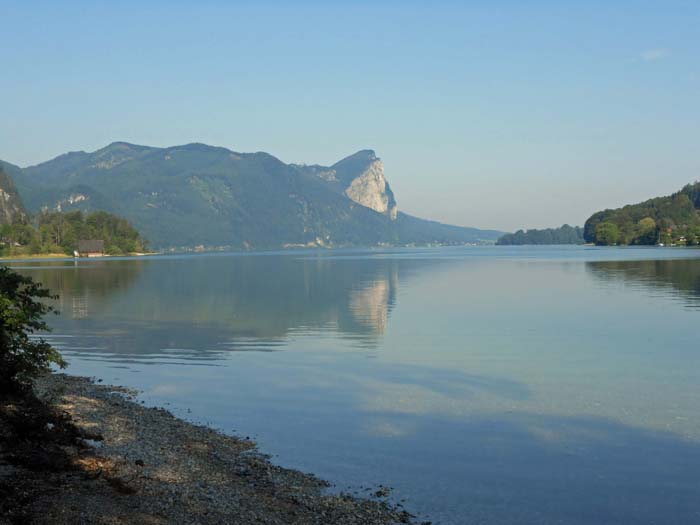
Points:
[[490, 114]]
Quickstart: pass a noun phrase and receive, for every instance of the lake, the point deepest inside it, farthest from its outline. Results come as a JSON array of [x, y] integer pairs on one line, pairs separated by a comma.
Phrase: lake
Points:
[[483, 384]]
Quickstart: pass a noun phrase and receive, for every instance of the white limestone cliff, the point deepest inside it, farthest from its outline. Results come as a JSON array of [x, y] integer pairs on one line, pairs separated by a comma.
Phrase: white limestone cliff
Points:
[[371, 189]]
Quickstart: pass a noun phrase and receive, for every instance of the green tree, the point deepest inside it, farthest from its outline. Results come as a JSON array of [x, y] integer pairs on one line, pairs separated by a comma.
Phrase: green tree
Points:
[[647, 232], [22, 311], [607, 234], [694, 236], [665, 237]]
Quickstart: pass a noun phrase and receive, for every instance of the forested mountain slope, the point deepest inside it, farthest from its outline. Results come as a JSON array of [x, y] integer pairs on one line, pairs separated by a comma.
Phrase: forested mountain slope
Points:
[[195, 194]]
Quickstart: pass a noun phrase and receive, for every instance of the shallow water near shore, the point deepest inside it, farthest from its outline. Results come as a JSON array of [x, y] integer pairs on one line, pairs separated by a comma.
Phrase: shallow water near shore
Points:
[[484, 384]]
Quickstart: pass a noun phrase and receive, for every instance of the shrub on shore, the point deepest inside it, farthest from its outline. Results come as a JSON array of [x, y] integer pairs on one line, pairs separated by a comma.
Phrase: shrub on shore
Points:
[[22, 311]]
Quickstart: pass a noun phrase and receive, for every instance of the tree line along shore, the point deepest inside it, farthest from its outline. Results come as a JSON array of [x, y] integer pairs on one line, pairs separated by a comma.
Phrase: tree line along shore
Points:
[[672, 220], [56, 233]]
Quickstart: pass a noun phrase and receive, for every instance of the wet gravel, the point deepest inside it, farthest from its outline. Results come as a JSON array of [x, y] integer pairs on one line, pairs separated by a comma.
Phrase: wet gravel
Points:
[[134, 464]]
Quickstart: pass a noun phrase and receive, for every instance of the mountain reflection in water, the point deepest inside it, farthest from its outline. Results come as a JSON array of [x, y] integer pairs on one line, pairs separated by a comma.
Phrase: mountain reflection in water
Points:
[[486, 384], [182, 306]]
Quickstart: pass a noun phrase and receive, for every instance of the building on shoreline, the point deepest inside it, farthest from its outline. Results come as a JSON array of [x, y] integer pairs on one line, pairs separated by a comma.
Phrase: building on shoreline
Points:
[[90, 248]]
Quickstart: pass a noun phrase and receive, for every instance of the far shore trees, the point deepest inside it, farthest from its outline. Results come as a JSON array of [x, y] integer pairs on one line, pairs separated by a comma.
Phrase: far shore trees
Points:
[[56, 232], [563, 235], [670, 220]]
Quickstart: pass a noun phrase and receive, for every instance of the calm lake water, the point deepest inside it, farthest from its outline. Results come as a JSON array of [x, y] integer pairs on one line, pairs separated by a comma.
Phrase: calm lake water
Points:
[[485, 384]]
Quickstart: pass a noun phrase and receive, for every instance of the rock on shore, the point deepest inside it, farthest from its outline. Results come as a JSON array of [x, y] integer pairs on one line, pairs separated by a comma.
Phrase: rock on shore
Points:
[[125, 463]]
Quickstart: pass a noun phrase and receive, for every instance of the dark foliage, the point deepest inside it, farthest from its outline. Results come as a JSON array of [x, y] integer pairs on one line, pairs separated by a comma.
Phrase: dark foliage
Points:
[[22, 309]]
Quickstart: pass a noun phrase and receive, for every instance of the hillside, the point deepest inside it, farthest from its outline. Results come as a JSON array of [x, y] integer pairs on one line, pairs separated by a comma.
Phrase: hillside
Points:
[[563, 235], [673, 219], [191, 195], [11, 207]]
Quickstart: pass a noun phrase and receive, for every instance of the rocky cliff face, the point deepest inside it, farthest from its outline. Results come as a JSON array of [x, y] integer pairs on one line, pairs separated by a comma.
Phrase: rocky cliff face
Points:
[[361, 178], [372, 190], [11, 208]]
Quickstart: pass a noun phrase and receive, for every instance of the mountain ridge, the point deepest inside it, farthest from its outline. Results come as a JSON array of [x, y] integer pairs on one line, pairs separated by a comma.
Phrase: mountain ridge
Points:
[[196, 194]]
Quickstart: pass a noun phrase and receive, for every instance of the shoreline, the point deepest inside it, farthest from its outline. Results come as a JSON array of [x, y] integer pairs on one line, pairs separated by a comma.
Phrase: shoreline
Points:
[[36, 256], [99, 456], [63, 256], [300, 249]]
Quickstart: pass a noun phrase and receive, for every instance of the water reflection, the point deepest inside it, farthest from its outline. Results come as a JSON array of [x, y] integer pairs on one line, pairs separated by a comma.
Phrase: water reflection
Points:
[[202, 307], [371, 304], [679, 278], [519, 385], [83, 289]]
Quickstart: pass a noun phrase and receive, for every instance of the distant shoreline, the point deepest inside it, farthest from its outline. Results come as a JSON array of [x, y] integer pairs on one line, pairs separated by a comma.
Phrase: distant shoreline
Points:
[[45, 256], [64, 257], [35, 257]]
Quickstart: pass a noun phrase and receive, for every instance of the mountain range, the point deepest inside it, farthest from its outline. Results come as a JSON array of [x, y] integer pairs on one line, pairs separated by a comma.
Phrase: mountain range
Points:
[[200, 195]]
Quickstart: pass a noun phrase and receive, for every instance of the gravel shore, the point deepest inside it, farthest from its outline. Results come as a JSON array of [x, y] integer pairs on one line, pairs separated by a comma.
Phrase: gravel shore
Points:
[[124, 463]]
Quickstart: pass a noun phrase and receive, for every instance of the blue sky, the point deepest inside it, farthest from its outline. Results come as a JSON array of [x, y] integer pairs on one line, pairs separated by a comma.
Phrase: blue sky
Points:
[[490, 114]]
